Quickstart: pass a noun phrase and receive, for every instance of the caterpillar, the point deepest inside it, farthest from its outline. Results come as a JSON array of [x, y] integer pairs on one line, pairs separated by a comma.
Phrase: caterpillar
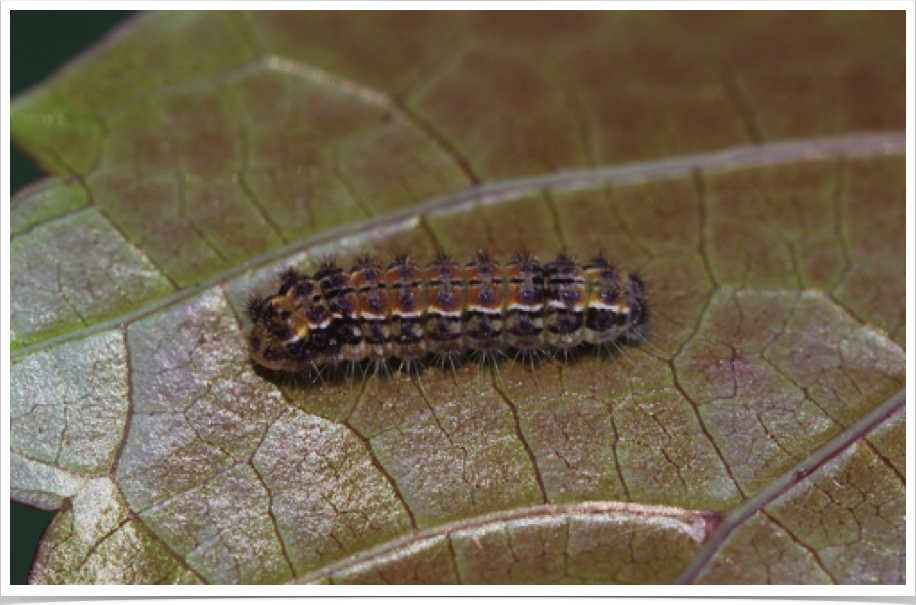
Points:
[[444, 309]]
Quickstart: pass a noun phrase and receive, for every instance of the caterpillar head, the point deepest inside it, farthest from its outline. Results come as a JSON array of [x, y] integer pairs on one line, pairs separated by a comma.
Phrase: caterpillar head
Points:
[[279, 338]]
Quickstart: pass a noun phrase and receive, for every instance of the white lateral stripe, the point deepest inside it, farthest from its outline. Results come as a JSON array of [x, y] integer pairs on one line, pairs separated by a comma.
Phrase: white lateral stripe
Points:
[[484, 310], [556, 304], [605, 307], [443, 313], [520, 307]]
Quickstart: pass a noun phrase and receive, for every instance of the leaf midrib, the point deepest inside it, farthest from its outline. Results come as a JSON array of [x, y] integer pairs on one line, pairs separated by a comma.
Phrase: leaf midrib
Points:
[[772, 154]]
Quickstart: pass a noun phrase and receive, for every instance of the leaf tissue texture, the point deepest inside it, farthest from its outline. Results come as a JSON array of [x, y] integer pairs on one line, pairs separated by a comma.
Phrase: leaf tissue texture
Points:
[[749, 165]]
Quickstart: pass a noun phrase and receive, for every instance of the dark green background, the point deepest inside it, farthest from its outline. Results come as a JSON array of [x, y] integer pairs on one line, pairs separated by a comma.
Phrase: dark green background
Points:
[[40, 42]]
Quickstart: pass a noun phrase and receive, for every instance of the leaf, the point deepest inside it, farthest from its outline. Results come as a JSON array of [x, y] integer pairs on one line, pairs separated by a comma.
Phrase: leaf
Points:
[[757, 436]]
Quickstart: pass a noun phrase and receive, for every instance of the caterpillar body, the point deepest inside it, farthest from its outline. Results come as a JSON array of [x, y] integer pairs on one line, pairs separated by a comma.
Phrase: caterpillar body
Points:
[[445, 309]]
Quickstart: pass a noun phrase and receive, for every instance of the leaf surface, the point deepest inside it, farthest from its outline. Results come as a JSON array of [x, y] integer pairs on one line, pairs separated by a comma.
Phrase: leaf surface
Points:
[[757, 436]]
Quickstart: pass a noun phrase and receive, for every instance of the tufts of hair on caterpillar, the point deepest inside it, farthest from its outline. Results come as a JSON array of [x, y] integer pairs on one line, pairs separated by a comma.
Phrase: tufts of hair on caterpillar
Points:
[[361, 320]]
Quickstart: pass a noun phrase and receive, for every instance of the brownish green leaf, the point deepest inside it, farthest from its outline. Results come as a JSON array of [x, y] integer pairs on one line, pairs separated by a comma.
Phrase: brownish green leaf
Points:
[[750, 165]]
